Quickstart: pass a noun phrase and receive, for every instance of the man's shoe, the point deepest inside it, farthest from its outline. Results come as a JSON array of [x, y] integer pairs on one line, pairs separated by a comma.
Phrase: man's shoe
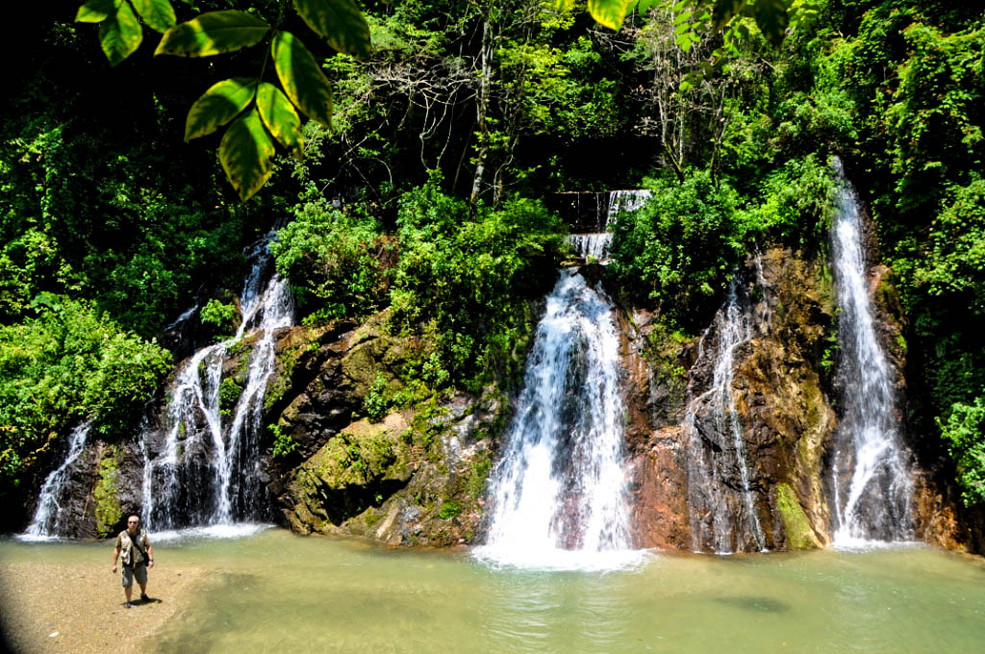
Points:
[[144, 598], [127, 605]]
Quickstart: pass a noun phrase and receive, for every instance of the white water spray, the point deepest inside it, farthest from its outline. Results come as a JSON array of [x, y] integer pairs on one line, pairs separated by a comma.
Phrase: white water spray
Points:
[[559, 490], [181, 489], [872, 484], [596, 245], [47, 515], [718, 468]]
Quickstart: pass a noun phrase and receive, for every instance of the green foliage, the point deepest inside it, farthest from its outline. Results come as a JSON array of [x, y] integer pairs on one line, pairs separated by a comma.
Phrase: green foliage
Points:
[[334, 262], [247, 149], [221, 316], [678, 250], [284, 445], [962, 432], [449, 509], [230, 391], [67, 365], [470, 278], [376, 403]]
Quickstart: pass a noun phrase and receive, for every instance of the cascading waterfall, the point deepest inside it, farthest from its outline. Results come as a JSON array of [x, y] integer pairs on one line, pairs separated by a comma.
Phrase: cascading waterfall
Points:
[[47, 514], [872, 483], [596, 245], [206, 473], [722, 501], [559, 490]]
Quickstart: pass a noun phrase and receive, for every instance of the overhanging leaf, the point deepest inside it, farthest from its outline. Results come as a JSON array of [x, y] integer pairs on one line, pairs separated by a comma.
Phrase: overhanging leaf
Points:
[[610, 13], [158, 14], [724, 11], [280, 118], [217, 106], [213, 33], [338, 21], [246, 153], [120, 34], [565, 5], [96, 11], [302, 79], [772, 19]]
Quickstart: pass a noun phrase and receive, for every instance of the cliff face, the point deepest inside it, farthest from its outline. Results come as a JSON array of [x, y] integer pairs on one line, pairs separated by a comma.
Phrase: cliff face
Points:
[[783, 384], [406, 476]]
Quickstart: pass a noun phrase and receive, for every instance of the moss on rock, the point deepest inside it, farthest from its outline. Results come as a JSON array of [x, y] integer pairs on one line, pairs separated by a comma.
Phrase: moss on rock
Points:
[[796, 526], [108, 512]]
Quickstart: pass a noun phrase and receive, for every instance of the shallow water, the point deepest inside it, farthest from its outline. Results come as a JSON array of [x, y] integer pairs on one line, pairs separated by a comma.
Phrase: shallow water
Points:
[[275, 590]]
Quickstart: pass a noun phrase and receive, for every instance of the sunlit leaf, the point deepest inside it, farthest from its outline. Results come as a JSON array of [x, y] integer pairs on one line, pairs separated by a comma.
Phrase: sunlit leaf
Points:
[[338, 21], [217, 106], [158, 14], [565, 5], [302, 79], [279, 116], [610, 13], [96, 11], [772, 19], [120, 34], [644, 6], [246, 153], [213, 33]]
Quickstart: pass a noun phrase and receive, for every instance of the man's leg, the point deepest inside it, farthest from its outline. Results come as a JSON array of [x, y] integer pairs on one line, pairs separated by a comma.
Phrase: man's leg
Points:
[[127, 583]]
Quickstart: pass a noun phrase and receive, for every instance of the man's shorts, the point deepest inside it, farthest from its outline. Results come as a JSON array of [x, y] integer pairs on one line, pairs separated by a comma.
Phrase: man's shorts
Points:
[[140, 572]]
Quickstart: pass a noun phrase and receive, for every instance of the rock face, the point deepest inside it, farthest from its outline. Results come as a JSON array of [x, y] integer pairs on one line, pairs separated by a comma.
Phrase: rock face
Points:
[[411, 476], [782, 411]]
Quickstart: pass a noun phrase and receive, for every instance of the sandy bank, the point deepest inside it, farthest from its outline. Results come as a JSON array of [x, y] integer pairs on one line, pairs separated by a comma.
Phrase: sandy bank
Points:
[[61, 607]]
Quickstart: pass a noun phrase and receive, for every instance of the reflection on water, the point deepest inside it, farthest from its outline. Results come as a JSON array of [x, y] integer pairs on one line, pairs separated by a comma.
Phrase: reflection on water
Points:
[[272, 591]]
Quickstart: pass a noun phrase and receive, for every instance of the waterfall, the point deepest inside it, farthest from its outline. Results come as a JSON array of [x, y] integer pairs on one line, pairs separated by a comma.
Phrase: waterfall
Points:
[[596, 245], [872, 486], [559, 489], [721, 498], [47, 515], [207, 472]]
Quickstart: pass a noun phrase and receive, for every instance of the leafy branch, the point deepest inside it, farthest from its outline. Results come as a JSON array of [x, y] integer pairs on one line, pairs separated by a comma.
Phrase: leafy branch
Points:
[[259, 114]]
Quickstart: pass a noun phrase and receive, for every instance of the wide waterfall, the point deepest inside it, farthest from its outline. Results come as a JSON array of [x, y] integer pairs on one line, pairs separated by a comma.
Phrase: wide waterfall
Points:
[[559, 489], [872, 485], [205, 473], [48, 514], [721, 498], [596, 245]]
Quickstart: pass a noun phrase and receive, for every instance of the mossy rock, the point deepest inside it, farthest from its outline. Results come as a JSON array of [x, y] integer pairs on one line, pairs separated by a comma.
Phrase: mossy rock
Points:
[[796, 526], [108, 512]]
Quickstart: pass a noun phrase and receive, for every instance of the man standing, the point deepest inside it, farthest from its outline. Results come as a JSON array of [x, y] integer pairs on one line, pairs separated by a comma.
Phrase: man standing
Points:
[[138, 555]]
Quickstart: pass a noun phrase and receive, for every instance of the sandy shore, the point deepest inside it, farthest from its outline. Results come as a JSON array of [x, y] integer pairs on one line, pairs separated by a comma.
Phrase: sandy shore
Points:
[[62, 607]]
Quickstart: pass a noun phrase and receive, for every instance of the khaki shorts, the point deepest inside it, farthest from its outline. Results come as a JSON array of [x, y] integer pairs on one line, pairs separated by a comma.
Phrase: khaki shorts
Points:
[[140, 572]]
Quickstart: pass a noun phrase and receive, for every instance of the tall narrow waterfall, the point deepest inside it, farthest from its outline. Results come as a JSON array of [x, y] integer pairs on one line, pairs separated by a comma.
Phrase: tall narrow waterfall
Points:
[[559, 489], [47, 515], [596, 244], [872, 484], [205, 472], [721, 498]]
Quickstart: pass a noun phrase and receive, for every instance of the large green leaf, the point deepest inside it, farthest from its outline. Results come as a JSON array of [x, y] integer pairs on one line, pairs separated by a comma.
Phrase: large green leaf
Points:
[[724, 11], [338, 21], [120, 34], [213, 33], [302, 79], [772, 19], [96, 11], [564, 5], [280, 118], [610, 13], [217, 106], [246, 153], [158, 14]]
